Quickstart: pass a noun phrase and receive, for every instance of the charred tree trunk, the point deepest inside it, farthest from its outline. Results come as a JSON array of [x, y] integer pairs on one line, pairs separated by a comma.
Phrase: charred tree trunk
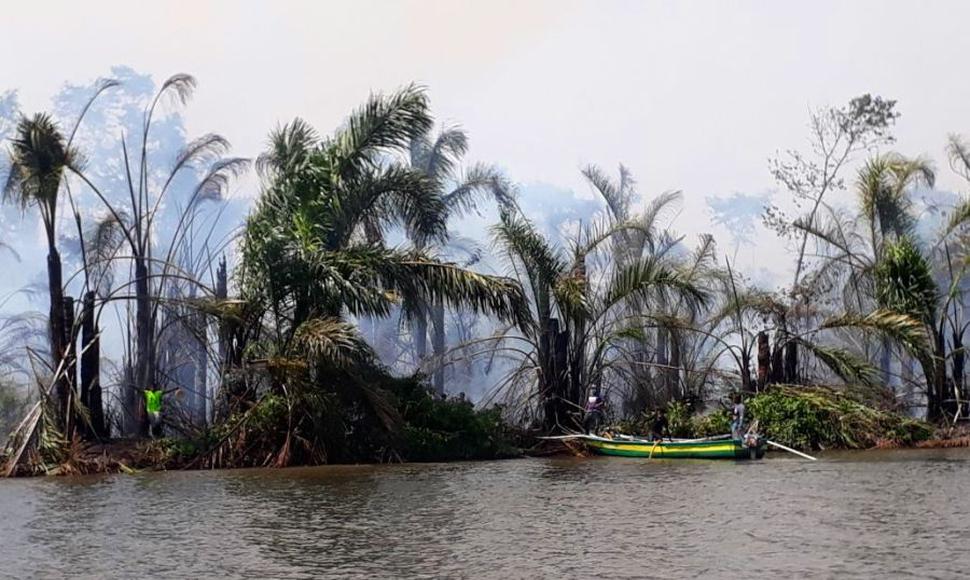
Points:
[[947, 397], [777, 374], [791, 362], [222, 293], [144, 348], [58, 332], [70, 366], [561, 363], [201, 366], [675, 362], [91, 368], [438, 344], [959, 367], [764, 360]]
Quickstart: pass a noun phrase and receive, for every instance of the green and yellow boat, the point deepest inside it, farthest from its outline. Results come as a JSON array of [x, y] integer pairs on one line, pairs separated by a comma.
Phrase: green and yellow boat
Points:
[[750, 447]]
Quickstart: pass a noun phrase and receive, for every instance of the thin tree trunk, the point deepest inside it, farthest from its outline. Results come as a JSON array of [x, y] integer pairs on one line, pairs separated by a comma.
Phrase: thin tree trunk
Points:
[[791, 362], [959, 367], [70, 368], [420, 337], [778, 359], [201, 376], [91, 368], [438, 344], [57, 328], [885, 362], [764, 360], [144, 345]]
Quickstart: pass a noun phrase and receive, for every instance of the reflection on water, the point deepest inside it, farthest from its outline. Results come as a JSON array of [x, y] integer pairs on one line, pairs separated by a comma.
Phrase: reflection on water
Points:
[[855, 514]]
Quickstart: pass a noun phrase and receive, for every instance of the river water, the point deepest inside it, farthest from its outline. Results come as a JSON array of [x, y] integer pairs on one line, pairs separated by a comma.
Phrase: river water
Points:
[[868, 514]]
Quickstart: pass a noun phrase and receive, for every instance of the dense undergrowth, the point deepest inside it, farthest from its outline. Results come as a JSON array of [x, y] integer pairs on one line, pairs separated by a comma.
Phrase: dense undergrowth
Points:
[[802, 417]]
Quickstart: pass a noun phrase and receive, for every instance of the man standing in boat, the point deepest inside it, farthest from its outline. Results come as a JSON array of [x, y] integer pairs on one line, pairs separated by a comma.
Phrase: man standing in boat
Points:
[[593, 412], [737, 417]]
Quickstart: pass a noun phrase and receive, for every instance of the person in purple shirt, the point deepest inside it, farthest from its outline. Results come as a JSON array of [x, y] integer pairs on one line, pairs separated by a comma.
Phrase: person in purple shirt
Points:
[[593, 412]]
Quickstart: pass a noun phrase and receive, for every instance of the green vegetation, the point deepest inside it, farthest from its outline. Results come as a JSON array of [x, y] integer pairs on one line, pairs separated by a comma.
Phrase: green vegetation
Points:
[[302, 337], [821, 418]]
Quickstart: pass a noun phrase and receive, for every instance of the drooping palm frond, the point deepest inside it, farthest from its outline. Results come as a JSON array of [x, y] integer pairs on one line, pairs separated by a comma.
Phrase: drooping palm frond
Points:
[[883, 185], [849, 367], [38, 157], [518, 237], [438, 158], [384, 122], [103, 239], [480, 182], [648, 276], [902, 328], [959, 216], [332, 340]]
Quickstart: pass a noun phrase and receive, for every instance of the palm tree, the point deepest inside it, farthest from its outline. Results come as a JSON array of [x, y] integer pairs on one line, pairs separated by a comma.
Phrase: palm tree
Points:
[[858, 243], [650, 240], [583, 319], [438, 159], [314, 250], [39, 156]]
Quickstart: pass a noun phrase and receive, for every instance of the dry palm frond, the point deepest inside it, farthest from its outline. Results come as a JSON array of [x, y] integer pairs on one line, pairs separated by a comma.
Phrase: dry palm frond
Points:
[[331, 340]]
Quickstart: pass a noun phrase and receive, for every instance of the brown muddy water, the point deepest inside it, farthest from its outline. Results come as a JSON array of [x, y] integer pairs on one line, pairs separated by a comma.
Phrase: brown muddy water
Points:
[[868, 514]]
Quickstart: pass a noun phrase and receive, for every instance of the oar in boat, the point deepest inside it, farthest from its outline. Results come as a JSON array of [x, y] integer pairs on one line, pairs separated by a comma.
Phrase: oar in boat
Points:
[[790, 450]]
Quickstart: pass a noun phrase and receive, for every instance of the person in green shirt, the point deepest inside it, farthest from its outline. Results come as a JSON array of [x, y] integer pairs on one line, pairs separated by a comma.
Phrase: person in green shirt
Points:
[[153, 406]]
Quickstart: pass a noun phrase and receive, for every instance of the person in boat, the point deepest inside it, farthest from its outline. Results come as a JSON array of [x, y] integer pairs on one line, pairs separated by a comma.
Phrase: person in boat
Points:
[[153, 406], [659, 427], [593, 412], [737, 417]]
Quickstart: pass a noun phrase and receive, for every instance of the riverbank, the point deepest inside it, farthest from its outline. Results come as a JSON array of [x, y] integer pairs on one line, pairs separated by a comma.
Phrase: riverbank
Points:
[[433, 430]]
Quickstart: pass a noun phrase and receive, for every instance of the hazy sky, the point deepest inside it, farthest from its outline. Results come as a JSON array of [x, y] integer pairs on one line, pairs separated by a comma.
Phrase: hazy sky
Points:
[[690, 95]]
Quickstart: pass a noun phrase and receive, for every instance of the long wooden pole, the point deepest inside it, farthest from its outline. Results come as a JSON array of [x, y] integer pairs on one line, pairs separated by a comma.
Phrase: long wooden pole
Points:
[[790, 450]]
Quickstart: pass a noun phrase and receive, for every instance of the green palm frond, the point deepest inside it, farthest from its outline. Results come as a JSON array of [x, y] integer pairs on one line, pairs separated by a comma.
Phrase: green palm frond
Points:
[[959, 216], [519, 238], [290, 148], [480, 182], [38, 158], [438, 158], [904, 281], [902, 328], [384, 122], [849, 367], [647, 277]]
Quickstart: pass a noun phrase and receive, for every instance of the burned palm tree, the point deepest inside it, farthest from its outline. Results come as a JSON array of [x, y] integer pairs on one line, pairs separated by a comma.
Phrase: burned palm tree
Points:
[[204, 171], [582, 318], [39, 158]]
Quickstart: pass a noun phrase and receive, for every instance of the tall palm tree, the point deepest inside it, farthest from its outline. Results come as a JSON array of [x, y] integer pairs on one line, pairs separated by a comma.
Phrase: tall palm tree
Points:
[[314, 249], [39, 157], [858, 243], [438, 159], [582, 315]]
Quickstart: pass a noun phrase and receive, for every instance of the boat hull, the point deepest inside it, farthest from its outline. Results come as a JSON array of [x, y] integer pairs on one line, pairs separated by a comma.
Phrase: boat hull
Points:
[[719, 449]]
